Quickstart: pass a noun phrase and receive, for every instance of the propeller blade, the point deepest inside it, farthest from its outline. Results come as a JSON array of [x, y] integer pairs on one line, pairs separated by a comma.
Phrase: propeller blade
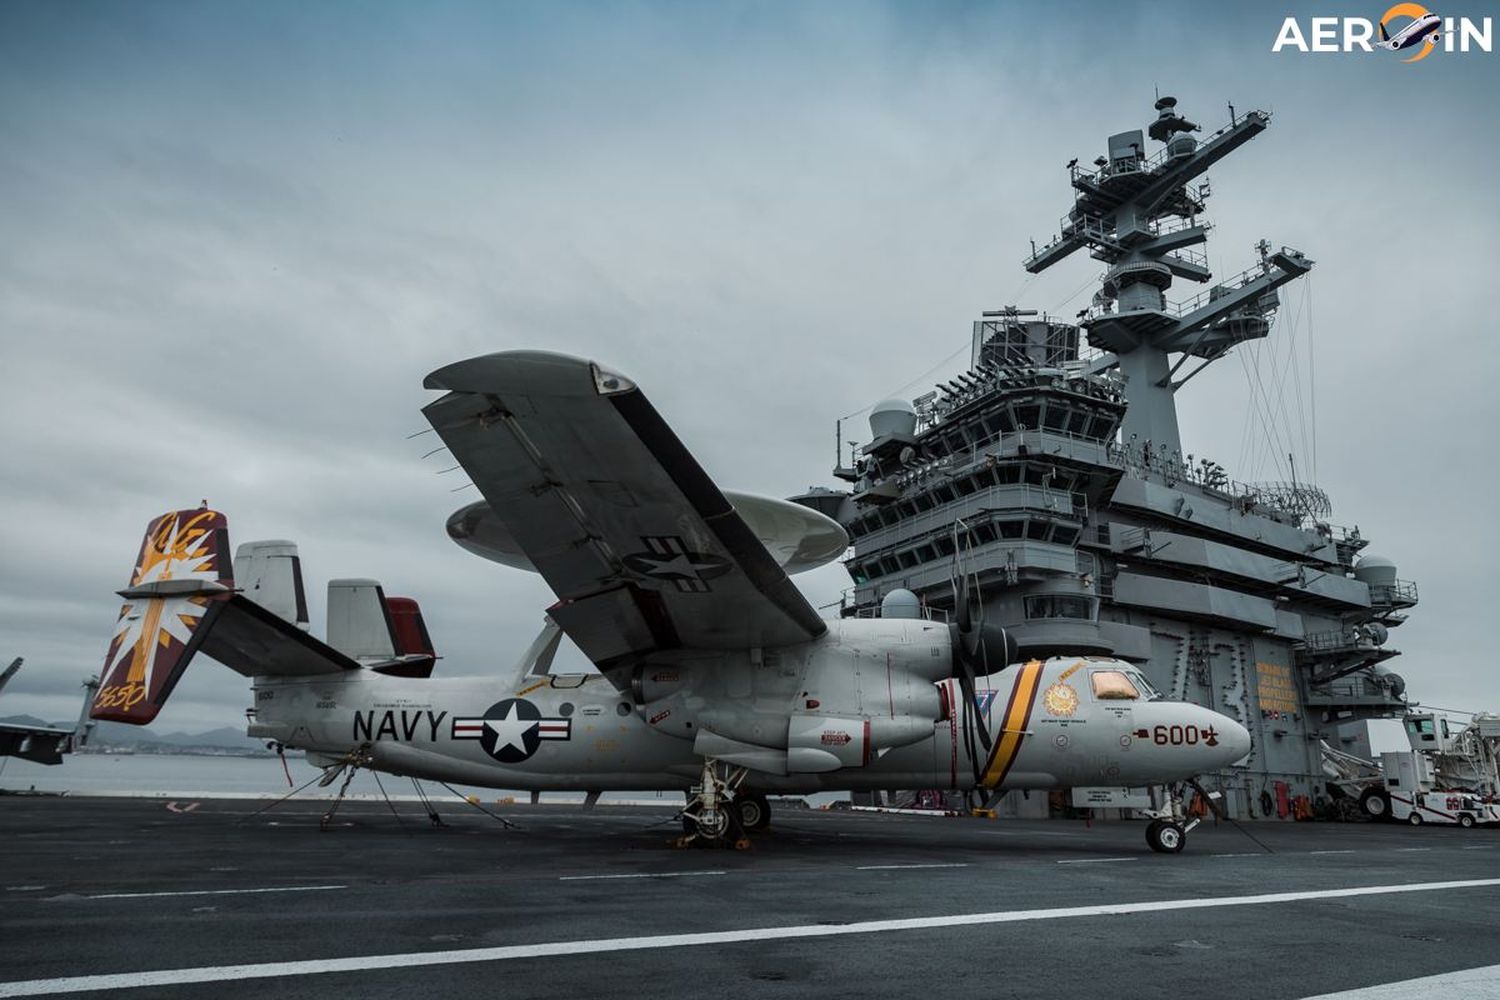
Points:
[[970, 691]]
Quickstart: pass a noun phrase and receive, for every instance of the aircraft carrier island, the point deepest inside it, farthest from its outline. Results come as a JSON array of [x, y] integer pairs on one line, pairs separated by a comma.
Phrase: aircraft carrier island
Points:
[[1052, 477]]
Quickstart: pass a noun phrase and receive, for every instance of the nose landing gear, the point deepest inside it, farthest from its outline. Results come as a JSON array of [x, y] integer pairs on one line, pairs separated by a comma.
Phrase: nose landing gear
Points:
[[1170, 823]]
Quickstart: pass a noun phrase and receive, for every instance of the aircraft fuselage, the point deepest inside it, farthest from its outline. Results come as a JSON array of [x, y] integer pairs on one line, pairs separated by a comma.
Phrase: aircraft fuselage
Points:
[[870, 705]]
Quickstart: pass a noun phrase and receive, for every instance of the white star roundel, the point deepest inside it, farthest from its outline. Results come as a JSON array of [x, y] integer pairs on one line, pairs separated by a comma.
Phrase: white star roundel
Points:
[[511, 730]]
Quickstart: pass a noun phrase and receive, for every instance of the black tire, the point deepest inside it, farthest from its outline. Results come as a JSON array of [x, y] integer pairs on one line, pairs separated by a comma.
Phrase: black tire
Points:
[[1465, 820], [1165, 838], [1375, 803], [1415, 819], [753, 812], [691, 827]]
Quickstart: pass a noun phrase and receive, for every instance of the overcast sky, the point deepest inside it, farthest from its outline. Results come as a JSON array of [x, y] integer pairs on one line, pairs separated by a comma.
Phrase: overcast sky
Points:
[[235, 239]]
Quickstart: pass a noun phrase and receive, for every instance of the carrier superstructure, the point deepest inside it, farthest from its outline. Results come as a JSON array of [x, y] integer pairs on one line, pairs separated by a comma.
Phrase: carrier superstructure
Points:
[[1052, 474]]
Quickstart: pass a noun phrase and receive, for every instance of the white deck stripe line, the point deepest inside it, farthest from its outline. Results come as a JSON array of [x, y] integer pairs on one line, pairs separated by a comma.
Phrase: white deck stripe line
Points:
[[550, 949], [1480, 982], [1332, 852], [1247, 854], [586, 878], [886, 868], [215, 892], [1094, 861]]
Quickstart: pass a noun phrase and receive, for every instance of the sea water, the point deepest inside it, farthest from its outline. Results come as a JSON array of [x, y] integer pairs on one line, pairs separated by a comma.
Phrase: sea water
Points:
[[186, 776]]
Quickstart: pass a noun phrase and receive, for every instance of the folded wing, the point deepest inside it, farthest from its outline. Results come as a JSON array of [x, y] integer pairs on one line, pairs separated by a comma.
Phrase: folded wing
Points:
[[642, 549]]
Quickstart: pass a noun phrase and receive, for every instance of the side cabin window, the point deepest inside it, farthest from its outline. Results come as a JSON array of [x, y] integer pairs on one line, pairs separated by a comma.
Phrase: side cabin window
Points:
[[1113, 685], [1422, 729]]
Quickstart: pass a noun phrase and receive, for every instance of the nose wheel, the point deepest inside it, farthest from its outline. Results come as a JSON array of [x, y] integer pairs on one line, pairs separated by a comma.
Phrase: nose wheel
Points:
[[1170, 823], [1165, 837]]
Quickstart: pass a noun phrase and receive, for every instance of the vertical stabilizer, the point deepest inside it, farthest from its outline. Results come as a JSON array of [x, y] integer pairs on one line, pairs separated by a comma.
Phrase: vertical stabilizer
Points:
[[385, 634], [359, 622], [414, 649], [183, 566], [270, 574], [10, 671], [409, 629]]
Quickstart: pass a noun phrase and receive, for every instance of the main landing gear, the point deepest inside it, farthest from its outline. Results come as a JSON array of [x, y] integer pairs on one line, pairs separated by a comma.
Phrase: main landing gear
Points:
[[717, 815], [1170, 823]]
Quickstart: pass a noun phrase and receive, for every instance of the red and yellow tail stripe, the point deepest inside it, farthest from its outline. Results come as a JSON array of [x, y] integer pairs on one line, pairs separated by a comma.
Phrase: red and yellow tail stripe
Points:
[[1013, 725]]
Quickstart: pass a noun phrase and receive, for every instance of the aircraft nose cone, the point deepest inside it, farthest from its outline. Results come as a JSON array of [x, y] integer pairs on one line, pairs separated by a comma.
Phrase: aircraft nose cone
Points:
[[1234, 740]]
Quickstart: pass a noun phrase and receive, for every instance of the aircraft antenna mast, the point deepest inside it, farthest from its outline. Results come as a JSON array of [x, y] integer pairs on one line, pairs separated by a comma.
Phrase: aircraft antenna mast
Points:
[[1137, 213]]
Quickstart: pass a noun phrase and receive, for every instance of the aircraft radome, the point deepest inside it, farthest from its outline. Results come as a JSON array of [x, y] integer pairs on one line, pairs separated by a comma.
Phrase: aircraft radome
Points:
[[716, 677]]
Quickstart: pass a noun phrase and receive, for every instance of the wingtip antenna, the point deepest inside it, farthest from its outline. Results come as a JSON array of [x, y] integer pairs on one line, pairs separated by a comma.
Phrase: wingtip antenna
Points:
[[417, 434]]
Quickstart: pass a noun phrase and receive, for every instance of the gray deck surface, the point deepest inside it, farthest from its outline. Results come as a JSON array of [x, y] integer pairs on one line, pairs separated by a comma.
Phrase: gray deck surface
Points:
[[413, 889]]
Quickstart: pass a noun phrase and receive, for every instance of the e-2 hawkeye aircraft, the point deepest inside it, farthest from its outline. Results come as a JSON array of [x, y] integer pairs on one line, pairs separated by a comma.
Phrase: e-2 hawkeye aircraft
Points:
[[716, 677]]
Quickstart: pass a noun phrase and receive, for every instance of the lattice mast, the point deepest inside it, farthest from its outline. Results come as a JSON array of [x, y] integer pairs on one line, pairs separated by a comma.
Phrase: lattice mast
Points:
[[1138, 214]]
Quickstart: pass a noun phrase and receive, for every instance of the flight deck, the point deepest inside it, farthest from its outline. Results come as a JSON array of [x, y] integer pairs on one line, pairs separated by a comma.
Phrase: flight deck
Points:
[[200, 898]]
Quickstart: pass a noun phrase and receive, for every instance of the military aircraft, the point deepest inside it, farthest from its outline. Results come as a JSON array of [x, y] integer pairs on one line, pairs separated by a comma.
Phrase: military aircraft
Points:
[[41, 744], [715, 675]]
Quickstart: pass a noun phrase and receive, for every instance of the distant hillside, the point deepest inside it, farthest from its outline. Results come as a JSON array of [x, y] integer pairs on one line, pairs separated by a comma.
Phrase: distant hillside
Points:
[[117, 734]]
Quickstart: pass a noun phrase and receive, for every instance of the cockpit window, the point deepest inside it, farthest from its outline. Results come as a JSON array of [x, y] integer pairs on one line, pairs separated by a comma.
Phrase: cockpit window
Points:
[[1147, 691], [1113, 685]]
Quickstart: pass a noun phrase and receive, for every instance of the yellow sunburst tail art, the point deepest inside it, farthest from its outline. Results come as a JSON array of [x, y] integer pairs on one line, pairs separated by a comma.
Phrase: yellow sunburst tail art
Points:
[[184, 565]]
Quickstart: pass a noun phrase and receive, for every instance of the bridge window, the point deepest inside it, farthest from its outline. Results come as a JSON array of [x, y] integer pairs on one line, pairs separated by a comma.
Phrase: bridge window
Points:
[[1059, 606], [1113, 685]]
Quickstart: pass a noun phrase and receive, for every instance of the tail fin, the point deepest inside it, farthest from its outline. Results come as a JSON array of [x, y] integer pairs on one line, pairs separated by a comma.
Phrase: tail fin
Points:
[[10, 671], [386, 634], [413, 644], [270, 574], [1383, 36], [182, 599], [182, 567]]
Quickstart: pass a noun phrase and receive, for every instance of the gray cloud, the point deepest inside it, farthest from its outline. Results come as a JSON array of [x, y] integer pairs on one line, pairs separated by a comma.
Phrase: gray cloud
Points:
[[237, 240]]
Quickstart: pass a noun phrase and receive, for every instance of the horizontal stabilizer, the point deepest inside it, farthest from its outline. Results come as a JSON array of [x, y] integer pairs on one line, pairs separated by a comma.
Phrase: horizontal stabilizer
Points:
[[250, 639]]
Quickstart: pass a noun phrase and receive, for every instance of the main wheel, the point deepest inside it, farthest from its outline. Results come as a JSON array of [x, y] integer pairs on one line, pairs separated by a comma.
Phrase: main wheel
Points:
[[1415, 819], [1165, 838], [754, 812], [1375, 803], [1465, 820]]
